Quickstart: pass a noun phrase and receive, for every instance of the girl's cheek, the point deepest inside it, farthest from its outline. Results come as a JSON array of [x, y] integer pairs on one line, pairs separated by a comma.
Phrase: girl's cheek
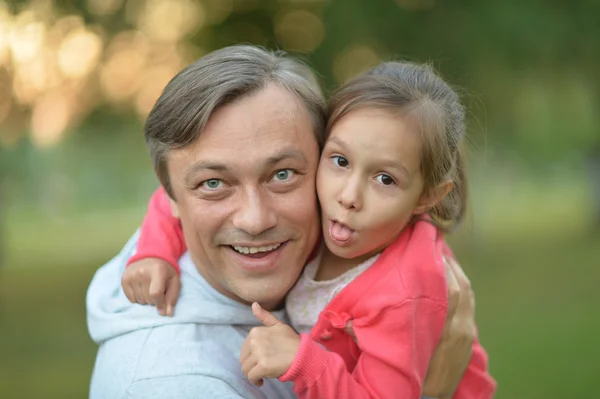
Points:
[[322, 180]]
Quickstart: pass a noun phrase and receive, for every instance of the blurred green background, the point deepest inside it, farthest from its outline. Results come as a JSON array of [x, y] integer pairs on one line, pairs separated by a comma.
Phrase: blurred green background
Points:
[[77, 78]]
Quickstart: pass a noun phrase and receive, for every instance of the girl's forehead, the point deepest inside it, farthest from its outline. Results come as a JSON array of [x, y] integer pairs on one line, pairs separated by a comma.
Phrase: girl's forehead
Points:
[[376, 124]]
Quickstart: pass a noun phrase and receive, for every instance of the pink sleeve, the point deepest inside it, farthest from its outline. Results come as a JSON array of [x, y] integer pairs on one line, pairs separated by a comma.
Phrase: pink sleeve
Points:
[[446, 250], [395, 351], [161, 235]]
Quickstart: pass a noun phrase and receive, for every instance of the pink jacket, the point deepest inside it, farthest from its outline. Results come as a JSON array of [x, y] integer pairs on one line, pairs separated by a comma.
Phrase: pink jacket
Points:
[[398, 308]]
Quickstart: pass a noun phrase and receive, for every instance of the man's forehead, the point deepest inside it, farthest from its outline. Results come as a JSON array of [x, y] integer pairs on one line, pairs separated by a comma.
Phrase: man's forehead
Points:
[[270, 115], [267, 126], [269, 106], [267, 152]]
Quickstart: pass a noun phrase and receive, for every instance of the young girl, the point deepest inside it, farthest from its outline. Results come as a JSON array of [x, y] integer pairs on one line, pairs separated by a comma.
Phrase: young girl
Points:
[[391, 179]]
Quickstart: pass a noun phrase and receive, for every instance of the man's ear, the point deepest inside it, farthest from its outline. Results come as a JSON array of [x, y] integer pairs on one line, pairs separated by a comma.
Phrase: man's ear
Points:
[[174, 208], [433, 197]]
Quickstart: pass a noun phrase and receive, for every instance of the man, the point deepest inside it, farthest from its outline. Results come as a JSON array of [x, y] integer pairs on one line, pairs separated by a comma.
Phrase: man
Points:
[[222, 135]]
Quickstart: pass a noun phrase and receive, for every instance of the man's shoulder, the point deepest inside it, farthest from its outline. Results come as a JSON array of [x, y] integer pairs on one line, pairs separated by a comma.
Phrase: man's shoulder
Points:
[[190, 361], [201, 349], [197, 360], [188, 386], [190, 357]]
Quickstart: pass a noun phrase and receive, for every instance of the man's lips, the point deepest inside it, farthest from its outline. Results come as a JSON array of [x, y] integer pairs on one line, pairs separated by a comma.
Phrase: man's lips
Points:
[[261, 258], [256, 250]]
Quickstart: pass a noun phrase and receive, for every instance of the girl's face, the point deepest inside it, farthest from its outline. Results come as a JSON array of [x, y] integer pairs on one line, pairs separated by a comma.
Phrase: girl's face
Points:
[[369, 181]]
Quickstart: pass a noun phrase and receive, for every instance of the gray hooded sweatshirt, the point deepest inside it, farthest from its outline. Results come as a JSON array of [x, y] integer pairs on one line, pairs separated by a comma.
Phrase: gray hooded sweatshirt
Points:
[[191, 355]]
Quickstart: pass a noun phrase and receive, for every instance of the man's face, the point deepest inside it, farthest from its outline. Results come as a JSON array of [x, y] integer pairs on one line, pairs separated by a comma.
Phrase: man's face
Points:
[[245, 194]]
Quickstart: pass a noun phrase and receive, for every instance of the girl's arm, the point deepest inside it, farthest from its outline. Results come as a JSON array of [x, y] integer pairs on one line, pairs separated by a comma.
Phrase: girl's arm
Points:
[[161, 235], [395, 349]]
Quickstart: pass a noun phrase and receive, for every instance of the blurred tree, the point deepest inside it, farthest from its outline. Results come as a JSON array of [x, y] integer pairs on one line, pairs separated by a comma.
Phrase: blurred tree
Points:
[[3, 207], [593, 167], [528, 67]]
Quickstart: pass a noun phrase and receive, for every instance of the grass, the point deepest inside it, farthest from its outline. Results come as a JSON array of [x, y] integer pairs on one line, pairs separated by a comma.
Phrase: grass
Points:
[[535, 307], [45, 351]]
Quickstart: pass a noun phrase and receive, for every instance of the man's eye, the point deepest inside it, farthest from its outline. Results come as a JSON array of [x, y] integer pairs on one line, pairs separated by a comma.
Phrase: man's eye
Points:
[[340, 161], [211, 184], [384, 179], [283, 174]]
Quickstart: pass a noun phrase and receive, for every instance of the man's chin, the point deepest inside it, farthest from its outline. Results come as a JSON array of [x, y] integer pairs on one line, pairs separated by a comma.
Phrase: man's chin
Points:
[[270, 295], [265, 279]]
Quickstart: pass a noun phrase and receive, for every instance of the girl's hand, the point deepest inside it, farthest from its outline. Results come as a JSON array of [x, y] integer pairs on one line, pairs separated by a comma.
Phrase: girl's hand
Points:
[[268, 352], [152, 281]]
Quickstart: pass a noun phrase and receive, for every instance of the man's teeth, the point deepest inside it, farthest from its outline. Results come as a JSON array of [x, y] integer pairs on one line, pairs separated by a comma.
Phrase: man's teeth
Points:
[[254, 250]]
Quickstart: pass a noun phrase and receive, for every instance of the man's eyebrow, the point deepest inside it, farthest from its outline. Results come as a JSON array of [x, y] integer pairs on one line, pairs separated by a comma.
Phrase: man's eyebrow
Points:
[[199, 166], [220, 167], [285, 154]]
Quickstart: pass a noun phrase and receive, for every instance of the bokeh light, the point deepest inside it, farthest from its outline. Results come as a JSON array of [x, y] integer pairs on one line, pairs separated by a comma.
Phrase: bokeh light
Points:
[[171, 20], [299, 30], [104, 7], [58, 67], [79, 53], [50, 117], [121, 73], [155, 79], [353, 60]]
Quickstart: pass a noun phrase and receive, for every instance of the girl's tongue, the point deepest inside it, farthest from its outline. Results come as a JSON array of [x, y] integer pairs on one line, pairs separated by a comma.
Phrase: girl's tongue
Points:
[[339, 232]]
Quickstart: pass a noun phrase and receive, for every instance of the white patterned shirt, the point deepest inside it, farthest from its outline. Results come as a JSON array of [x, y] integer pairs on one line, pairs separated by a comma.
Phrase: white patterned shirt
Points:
[[307, 299]]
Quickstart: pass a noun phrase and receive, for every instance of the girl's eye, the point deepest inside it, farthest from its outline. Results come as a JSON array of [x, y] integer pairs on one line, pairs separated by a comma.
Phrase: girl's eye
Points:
[[283, 174], [340, 161], [211, 184], [384, 179]]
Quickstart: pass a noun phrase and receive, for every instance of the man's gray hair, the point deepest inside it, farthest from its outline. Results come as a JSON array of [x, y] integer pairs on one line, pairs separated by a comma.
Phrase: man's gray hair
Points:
[[182, 111]]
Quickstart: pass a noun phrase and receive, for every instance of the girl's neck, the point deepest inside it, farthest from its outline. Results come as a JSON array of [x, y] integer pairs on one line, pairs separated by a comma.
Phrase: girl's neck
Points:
[[333, 266]]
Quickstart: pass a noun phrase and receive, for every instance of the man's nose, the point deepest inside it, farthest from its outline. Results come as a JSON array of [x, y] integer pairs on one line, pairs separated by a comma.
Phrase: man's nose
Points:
[[351, 193], [255, 214]]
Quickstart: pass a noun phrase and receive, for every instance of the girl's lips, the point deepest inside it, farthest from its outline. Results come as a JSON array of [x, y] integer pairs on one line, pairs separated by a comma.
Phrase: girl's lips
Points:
[[340, 233]]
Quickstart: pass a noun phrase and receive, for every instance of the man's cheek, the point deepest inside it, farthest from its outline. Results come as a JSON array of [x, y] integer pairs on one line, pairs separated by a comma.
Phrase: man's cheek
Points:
[[309, 192], [304, 208]]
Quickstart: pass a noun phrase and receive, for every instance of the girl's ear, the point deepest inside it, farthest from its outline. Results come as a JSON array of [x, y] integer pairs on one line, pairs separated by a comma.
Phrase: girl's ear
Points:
[[433, 197]]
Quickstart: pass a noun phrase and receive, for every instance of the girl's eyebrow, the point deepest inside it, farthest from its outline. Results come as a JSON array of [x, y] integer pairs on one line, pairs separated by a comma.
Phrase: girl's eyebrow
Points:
[[386, 162], [396, 165], [339, 142]]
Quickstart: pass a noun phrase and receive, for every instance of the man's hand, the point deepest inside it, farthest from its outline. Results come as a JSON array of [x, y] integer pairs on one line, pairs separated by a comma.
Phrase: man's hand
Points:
[[268, 352], [152, 281], [453, 353]]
